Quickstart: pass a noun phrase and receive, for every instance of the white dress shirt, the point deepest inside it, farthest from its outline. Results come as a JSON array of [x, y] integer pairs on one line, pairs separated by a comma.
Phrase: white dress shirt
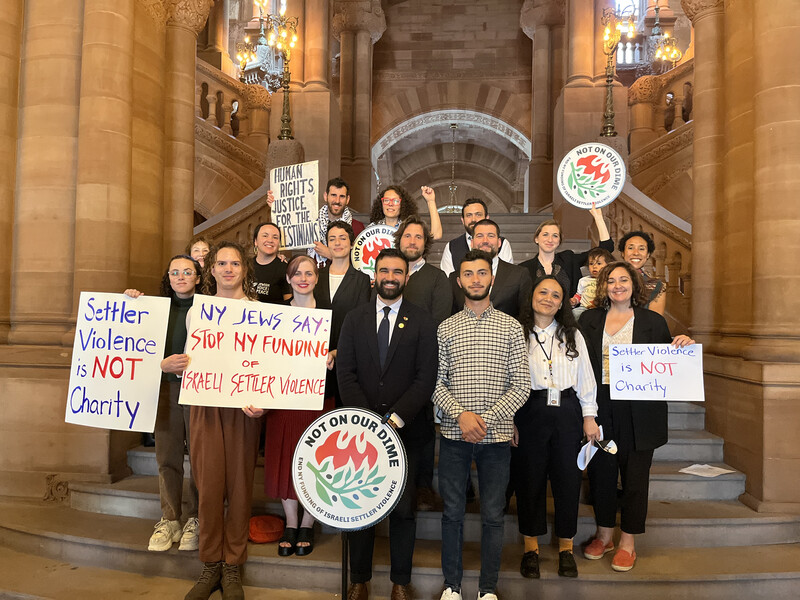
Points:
[[567, 372], [446, 263]]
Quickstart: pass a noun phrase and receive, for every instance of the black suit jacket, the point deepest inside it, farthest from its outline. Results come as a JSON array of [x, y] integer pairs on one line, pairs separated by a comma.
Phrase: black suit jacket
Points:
[[569, 264], [353, 291], [511, 289], [405, 383], [649, 417]]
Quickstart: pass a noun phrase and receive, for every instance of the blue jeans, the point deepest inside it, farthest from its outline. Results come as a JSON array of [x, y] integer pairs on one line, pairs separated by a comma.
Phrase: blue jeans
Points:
[[455, 461]]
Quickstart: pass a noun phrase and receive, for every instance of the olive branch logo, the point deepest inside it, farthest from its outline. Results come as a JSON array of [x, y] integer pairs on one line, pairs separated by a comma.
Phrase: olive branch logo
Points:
[[583, 184]]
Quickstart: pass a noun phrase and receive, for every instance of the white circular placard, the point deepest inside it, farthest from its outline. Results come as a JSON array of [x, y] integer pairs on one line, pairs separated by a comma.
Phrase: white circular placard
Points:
[[349, 470], [591, 174], [368, 245]]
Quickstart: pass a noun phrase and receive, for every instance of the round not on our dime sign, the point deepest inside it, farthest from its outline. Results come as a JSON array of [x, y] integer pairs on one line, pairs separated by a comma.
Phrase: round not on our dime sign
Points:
[[349, 469], [368, 245], [591, 174]]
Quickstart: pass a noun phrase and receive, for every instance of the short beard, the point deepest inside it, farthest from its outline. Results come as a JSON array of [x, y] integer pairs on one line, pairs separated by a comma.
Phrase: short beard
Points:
[[413, 257], [389, 294], [479, 296], [339, 214]]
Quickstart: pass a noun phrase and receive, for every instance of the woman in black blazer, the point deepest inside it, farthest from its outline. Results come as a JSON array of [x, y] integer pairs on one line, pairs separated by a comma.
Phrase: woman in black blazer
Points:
[[638, 427], [350, 287], [565, 265]]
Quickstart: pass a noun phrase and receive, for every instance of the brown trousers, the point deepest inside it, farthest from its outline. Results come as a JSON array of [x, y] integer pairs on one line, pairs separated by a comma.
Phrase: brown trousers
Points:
[[172, 432], [224, 451]]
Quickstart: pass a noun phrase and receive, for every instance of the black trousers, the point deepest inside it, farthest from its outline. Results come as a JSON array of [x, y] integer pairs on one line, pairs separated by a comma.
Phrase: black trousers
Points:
[[630, 466], [549, 442], [402, 529]]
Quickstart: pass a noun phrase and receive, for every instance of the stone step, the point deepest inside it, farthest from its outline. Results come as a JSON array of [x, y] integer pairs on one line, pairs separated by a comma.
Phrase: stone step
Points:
[[692, 445], [671, 522], [686, 415], [87, 540]]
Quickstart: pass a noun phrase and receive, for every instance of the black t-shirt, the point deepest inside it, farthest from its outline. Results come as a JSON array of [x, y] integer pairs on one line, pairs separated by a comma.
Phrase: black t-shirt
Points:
[[271, 282]]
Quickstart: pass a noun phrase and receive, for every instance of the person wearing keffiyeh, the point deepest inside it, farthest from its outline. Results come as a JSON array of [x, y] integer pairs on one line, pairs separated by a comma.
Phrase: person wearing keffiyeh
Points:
[[337, 198]]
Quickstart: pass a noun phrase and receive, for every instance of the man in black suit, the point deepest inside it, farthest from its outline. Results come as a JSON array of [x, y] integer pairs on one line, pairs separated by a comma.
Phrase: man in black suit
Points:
[[512, 283], [386, 362], [474, 210]]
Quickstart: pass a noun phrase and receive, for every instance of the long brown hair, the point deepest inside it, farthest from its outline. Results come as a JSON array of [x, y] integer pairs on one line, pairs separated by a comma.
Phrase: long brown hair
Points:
[[639, 295], [248, 282]]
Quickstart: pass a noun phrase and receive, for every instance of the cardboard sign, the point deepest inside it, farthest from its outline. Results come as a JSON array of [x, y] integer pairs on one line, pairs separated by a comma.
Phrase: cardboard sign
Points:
[[251, 353], [591, 174], [656, 372], [116, 361], [349, 469], [296, 209]]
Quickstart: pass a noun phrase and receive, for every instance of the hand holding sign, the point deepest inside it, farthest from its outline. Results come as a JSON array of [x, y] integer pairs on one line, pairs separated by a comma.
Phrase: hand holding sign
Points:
[[657, 371], [294, 203]]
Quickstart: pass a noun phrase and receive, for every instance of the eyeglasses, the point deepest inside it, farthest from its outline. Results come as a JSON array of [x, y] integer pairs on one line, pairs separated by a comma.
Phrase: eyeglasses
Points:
[[391, 200], [185, 272]]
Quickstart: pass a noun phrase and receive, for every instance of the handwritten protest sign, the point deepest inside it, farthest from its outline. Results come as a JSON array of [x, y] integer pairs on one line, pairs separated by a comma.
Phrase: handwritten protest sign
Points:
[[656, 372], [252, 353], [296, 209], [116, 361]]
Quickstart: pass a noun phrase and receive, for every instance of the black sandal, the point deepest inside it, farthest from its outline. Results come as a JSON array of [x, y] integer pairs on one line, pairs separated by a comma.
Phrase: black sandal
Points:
[[290, 537], [306, 534]]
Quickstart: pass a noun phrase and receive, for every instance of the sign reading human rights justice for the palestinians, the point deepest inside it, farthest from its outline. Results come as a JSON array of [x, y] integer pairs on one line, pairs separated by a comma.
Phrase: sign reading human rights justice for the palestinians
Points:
[[116, 361], [349, 469], [251, 353], [656, 372], [296, 208]]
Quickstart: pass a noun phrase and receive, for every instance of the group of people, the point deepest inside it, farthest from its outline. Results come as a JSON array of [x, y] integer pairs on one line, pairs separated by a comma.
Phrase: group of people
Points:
[[493, 346]]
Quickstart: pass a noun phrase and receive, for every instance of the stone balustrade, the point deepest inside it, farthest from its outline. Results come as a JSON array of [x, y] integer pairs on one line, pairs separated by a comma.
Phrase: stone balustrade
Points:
[[220, 100], [660, 104]]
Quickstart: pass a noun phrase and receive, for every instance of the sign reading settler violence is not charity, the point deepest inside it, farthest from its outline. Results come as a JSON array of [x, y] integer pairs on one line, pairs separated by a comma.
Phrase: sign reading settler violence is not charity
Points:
[[251, 353], [116, 361], [296, 207], [656, 372]]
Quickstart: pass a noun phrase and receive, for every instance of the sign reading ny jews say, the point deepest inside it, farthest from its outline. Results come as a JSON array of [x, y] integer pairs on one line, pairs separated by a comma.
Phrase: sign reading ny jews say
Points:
[[656, 372], [251, 353], [591, 174], [296, 209], [349, 469], [116, 361]]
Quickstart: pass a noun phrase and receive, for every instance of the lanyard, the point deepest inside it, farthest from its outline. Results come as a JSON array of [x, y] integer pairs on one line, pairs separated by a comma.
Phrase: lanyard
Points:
[[549, 357]]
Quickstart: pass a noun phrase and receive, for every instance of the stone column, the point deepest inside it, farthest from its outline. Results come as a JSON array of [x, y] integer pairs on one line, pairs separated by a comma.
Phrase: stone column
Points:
[[581, 39], [776, 213], [317, 44], [103, 193], [216, 47], [184, 19], [10, 47], [707, 20], [258, 103], [41, 295], [357, 25], [642, 98], [537, 19]]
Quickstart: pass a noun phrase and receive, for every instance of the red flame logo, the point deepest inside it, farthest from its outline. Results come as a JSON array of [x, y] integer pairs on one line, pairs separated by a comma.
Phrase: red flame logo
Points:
[[599, 171], [372, 248], [343, 451]]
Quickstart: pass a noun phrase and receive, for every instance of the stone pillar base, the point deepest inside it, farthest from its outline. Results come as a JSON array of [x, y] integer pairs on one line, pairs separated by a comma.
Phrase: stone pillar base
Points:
[[358, 174], [220, 60], [284, 152], [754, 406]]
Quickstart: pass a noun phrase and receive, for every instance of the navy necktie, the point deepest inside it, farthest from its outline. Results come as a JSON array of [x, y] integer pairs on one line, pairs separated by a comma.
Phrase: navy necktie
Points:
[[383, 335]]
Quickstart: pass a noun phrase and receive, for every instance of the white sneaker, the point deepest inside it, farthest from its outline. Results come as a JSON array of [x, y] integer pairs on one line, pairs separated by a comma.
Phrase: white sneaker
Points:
[[166, 532], [189, 538], [449, 594], [488, 596]]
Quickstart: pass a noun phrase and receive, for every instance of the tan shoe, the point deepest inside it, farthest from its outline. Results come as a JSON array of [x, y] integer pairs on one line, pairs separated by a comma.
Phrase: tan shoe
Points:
[[357, 591], [401, 592]]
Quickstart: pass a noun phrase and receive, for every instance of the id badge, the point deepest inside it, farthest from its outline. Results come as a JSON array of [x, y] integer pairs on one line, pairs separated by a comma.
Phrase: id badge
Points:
[[553, 397]]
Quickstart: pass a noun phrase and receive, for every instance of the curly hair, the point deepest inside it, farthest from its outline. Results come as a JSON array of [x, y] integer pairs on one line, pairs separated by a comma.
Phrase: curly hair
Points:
[[248, 282], [407, 206], [426, 232], [567, 326], [651, 246], [639, 295], [166, 289]]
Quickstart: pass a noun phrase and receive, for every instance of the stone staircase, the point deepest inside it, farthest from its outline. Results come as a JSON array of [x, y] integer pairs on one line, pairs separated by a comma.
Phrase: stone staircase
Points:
[[700, 541]]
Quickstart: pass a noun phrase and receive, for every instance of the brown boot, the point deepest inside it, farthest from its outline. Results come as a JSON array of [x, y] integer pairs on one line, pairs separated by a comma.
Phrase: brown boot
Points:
[[231, 583], [401, 592], [357, 591], [208, 582]]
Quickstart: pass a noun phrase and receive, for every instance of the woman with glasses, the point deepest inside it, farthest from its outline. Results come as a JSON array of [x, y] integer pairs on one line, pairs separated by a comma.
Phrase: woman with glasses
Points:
[[172, 419], [393, 205]]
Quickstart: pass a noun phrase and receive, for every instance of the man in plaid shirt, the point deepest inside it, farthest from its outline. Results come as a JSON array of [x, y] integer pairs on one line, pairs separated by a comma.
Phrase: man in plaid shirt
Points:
[[483, 380]]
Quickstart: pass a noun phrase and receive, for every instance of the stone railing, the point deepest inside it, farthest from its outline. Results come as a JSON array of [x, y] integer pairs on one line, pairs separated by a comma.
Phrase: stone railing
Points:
[[672, 260], [660, 104], [236, 109], [237, 222]]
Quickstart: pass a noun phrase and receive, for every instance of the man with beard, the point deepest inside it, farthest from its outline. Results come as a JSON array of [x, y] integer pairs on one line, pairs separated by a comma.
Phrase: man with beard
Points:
[[428, 288], [483, 380], [337, 197], [386, 362], [474, 210], [512, 284]]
